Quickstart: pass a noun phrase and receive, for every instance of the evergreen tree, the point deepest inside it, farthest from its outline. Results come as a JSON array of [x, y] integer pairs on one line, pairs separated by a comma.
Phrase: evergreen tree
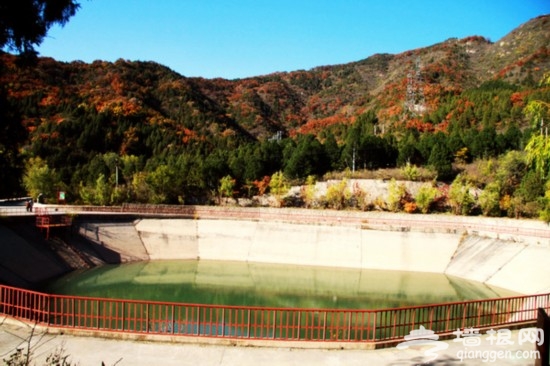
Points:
[[308, 158], [24, 23], [271, 157], [332, 152], [12, 135], [484, 143], [441, 158], [407, 151]]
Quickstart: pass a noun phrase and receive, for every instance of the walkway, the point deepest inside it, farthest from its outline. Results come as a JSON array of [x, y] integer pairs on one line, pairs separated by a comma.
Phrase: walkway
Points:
[[504, 228], [93, 351]]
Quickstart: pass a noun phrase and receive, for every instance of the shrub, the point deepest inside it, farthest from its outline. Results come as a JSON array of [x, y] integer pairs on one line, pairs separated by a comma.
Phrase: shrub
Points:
[[279, 186], [410, 207], [227, 186], [360, 199], [379, 203], [410, 171], [425, 197], [489, 200], [99, 194], [460, 199], [396, 196], [544, 213], [338, 195], [309, 192]]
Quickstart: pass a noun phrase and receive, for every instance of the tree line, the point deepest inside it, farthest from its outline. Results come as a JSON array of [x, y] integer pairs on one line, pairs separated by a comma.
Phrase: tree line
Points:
[[79, 153], [488, 164]]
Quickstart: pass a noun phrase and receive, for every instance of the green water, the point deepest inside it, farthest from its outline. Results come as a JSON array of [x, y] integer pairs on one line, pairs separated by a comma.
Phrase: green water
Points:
[[272, 285]]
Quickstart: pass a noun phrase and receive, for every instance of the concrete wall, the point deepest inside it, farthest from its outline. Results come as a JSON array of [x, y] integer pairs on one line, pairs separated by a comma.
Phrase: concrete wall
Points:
[[26, 259], [517, 266], [301, 244], [429, 244]]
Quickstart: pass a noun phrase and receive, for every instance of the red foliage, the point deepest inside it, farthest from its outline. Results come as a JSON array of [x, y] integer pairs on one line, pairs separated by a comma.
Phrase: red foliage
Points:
[[409, 207], [315, 125], [188, 135], [262, 185], [541, 54], [419, 125], [517, 99], [443, 126]]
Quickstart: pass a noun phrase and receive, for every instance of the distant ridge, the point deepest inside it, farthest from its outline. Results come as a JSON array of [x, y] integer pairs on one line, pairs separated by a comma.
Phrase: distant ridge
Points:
[[293, 102]]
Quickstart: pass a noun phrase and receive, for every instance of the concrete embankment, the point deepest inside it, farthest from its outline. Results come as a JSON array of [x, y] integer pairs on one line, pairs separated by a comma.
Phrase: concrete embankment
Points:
[[498, 252], [26, 259], [510, 259]]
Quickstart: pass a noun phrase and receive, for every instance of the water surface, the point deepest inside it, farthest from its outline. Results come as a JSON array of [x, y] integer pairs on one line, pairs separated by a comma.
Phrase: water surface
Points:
[[272, 285]]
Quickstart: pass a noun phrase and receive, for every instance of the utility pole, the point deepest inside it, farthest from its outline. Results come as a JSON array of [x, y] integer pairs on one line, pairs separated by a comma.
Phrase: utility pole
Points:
[[116, 173], [353, 160], [414, 100]]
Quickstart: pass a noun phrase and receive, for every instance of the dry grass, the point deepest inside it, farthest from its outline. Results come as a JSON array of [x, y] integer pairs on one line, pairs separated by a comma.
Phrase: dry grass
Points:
[[423, 174]]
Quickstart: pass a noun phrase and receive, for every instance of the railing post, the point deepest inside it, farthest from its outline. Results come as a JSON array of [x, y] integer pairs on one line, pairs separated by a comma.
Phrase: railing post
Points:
[[173, 321], [349, 325], [374, 337], [74, 312], [147, 318], [248, 325], [223, 322], [394, 323], [325, 326], [198, 321], [299, 325], [48, 300], [274, 322]]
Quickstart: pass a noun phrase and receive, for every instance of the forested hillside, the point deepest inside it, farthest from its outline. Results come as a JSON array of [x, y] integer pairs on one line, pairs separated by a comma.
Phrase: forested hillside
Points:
[[130, 131]]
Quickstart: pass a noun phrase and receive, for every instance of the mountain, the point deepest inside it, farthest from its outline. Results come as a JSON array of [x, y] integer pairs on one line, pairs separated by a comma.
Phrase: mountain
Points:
[[293, 102], [72, 115]]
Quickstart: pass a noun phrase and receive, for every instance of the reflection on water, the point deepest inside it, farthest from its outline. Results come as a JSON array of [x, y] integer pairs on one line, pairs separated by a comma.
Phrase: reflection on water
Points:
[[273, 285]]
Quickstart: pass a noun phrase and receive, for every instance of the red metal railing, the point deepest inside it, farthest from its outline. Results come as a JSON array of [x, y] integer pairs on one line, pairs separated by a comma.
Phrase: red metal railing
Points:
[[47, 221], [367, 220], [53, 220], [241, 322]]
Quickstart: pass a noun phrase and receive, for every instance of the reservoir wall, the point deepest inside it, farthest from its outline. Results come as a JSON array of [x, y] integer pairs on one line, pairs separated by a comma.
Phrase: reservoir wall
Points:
[[502, 259], [517, 262]]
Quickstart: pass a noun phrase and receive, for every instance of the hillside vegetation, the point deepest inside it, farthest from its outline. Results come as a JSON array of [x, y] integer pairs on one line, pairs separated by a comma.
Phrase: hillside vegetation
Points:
[[128, 131]]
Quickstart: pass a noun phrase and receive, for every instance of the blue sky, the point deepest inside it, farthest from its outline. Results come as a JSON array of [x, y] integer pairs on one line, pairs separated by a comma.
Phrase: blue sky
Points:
[[241, 38]]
